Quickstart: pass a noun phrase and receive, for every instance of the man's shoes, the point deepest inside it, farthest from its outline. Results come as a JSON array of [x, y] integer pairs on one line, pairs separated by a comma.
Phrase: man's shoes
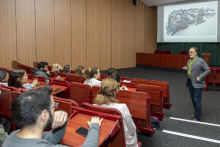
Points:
[[192, 115], [195, 119]]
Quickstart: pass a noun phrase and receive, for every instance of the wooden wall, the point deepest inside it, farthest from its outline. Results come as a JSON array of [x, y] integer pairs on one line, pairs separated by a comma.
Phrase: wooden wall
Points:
[[91, 33]]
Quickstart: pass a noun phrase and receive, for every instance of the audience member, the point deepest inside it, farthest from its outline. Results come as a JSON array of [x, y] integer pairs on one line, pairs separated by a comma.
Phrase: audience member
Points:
[[56, 68], [67, 69], [42, 70], [80, 71], [4, 77], [34, 111], [92, 74], [18, 78], [107, 98], [111, 71], [117, 78], [3, 134]]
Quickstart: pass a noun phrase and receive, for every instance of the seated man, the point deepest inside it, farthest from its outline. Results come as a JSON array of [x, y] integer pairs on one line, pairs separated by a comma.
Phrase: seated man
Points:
[[111, 71], [34, 111], [42, 70]]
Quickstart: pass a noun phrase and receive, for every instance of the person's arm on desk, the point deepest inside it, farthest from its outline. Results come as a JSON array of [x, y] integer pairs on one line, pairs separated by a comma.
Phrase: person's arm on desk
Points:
[[92, 139], [58, 128]]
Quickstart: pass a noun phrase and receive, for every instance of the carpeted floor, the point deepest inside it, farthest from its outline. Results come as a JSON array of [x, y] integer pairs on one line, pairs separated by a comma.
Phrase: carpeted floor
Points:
[[181, 108]]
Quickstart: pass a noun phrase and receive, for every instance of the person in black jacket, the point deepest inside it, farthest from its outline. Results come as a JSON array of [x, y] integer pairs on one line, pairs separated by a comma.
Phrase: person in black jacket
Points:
[[42, 70]]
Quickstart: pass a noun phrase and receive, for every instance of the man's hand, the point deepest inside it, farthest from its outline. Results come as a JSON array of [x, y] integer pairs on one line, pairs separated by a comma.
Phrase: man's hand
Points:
[[95, 120], [48, 72], [60, 118], [184, 68], [35, 82], [198, 79]]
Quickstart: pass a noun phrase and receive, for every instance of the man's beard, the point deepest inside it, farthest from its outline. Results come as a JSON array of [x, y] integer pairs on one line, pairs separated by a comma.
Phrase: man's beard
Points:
[[45, 71], [50, 121]]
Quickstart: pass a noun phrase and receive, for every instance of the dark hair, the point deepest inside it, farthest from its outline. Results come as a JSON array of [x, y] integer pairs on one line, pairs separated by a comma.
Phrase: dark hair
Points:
[[41, 64], [116, 77], [111, 71], [90, 72], [195, 48], [3, 74], [13, 78], [46, 63], [66, 69], [78, 71], [29, 105]]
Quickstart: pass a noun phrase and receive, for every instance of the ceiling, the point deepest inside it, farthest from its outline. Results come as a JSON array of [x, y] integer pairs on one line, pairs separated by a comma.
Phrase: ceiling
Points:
[[150, 3]]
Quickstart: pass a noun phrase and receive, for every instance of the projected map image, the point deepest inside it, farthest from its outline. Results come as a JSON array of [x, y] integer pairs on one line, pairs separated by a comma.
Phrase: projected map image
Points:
[[181, 19]]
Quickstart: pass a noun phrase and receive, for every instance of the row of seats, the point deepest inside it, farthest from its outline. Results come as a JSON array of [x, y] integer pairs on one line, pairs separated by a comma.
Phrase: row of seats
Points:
[[81, 93], [72, 108]]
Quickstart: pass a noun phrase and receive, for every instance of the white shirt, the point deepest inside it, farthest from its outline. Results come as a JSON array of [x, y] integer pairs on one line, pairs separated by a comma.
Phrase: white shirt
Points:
[[129, 126], [28, 86], [93, 82], [6, 84]]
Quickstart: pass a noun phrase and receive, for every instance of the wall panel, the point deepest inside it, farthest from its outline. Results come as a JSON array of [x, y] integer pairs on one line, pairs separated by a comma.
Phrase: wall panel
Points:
[[139, 27], [62, 31], [129, 58], [149, 30], [45, 31], [117, 34], [78, 15], [25, 20], [7, 33], [93, 33], [106, 34]]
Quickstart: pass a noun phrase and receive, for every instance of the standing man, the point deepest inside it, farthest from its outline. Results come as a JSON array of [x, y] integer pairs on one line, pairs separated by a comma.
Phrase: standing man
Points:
[[197, 70]]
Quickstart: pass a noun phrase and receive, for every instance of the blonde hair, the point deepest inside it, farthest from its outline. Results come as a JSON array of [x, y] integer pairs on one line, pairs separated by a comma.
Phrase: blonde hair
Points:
[[107, 92], [55, 67]]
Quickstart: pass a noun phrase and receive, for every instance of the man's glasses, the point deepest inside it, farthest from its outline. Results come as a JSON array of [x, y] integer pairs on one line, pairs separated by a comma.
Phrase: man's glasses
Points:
[[55, 106]]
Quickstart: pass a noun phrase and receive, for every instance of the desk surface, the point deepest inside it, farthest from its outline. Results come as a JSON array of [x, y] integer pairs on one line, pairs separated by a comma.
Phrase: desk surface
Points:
[[61, 78], [54, 86], [80, 120]]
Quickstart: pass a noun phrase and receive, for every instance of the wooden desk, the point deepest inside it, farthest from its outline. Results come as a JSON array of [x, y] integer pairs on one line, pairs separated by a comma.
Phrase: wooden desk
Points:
[[80, 120], [54, 86]]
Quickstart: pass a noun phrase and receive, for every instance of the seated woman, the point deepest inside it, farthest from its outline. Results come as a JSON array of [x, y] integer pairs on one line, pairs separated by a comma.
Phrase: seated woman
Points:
[[91, 75], [18, 78], [4, 77], [107, 98], [67, 69], [80, 71], [56, 68]]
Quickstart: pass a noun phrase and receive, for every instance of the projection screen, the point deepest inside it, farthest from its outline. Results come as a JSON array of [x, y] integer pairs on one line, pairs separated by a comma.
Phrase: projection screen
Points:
[[188, 22]]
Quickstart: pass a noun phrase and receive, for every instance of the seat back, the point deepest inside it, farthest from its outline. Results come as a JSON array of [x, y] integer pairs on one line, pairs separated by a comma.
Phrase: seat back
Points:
[[73, 78], [163, 85], [117, 139], [104, 76], [65, 105], [183, 53], [125, 78], [35, 64], [80, 92], [156, 101], [165, 92], [9, 87], [217, 76], [135, 101], [128, 84], [139, 81], [155, 93], [95, 91], [49, 68], [29, 69], [5, 102], [15, 94], [53, 74]]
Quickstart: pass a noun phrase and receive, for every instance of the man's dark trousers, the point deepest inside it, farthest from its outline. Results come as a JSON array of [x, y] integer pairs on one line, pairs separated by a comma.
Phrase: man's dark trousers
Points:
[[195, 94]]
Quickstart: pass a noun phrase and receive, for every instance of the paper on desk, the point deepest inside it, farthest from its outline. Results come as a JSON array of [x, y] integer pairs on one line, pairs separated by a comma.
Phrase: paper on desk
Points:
[[127, 81]]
